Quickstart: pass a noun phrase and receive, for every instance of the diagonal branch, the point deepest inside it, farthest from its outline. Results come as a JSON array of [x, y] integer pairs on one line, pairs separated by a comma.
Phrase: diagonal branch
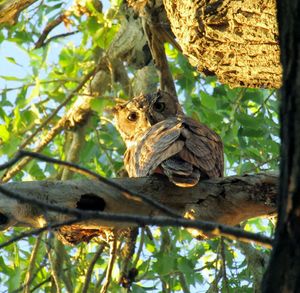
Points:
[[110, 266], [88, 275], [55, 130], [49, 27]]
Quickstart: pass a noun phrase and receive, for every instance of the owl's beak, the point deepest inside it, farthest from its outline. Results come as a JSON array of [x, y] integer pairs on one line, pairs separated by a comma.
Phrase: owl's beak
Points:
[[146, 107], [149, 100], [150, 118]]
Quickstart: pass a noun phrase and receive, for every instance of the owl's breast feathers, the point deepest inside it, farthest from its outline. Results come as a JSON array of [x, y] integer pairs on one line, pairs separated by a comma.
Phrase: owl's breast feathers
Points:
[[181, 148]]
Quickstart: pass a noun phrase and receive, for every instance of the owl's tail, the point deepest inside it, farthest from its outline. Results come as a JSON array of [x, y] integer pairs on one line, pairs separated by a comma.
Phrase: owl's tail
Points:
[[181, 173]]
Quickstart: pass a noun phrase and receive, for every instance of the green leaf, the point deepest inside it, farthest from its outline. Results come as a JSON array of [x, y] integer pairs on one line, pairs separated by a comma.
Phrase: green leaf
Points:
[[35, 91], [208, 101], [247, 167], [138, 289], [150, 247], [252, 132], [12, 60], [17, 119], [100, 104], [186, 266], [93, 25], [7, 77], [246, 120], [253, 95], [165, 265], [4, 133]]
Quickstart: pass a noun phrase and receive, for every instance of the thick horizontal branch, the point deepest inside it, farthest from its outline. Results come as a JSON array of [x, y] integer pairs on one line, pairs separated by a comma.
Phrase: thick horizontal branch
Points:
[[223, 200]]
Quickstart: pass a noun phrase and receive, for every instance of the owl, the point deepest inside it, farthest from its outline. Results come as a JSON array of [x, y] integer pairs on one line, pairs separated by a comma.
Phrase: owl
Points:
[[160, 139]]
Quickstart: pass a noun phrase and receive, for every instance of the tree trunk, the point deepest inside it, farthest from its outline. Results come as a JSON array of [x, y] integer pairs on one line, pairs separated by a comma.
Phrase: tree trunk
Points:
[[234, 40], [283, 274]]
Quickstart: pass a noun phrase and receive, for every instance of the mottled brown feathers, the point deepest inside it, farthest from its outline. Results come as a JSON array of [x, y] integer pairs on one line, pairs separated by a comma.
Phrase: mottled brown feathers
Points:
[[161, 139]]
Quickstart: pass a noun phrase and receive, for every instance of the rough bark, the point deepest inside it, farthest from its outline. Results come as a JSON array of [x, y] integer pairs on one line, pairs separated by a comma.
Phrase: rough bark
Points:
[[283, 274], [224, 200], [234, 40], [10, 10]]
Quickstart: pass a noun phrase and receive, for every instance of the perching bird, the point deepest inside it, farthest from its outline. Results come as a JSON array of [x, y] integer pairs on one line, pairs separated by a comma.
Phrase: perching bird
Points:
[[161, 139]]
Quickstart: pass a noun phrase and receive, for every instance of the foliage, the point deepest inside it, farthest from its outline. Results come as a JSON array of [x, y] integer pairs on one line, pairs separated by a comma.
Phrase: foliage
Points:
[[36, 81]]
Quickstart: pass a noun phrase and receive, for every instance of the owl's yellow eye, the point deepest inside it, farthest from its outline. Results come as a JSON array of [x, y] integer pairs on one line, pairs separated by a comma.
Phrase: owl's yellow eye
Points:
[[132, 116], [159, 106]]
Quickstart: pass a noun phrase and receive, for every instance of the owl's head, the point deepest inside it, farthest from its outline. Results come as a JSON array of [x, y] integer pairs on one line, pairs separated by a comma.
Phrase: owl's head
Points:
[[131, 119], [136, 116], [162, 105]]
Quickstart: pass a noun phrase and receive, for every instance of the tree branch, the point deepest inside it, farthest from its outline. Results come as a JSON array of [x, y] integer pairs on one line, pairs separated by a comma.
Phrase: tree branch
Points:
[[88, 275], [77, 109], [226, 201], [59, 36], [125, 192], [110, 266], [49, 27], [32, 260]]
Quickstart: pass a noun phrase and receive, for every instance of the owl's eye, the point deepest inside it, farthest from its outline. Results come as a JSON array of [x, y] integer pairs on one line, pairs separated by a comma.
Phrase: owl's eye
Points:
[[159, 106], [132, 116]]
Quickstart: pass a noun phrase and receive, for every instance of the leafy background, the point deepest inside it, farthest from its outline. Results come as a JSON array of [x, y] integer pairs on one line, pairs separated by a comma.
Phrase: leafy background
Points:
[[34, 82]]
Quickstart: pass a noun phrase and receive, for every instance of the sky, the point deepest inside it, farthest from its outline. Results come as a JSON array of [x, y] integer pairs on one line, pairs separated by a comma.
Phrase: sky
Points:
[[20, 69]]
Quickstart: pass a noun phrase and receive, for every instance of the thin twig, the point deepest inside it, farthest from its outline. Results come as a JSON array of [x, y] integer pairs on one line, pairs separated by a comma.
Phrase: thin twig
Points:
[[38, 231], [40, 82], [54, 272], [89, 272], [264, 102], [29, 273], [104, 149], [140, 249], [183, 283], [213, 288], [60, 257], [113, 247], [21, 288], [65, 102], [59, 36], [73, 149], [43, 282], [49, 27], [223, 266], [258, 166], [50, 135], [45, 141], [99, 282], [127, 255]]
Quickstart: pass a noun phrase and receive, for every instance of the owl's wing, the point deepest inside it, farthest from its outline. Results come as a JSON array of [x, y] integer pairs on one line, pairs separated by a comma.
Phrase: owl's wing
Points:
[[203, 148], [158, 144]]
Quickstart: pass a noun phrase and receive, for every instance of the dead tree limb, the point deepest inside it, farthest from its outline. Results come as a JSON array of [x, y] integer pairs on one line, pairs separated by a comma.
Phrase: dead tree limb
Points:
[[223, 200]]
